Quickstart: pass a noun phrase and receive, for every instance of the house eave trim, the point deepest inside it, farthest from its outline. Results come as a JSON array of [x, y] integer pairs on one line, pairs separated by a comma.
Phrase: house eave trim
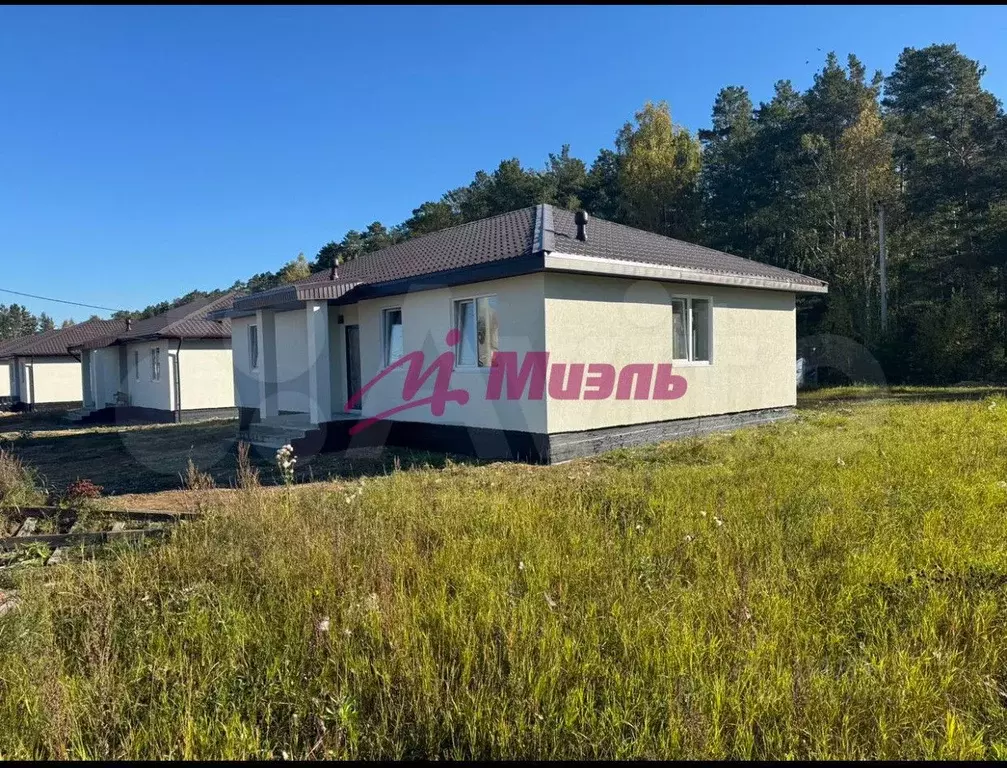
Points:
[[565, 262]]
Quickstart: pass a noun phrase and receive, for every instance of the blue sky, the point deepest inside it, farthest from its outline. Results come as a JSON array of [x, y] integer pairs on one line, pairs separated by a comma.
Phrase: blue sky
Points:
[[145, 152]]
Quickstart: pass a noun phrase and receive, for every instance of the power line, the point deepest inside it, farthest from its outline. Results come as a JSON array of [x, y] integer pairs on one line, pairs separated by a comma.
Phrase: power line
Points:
[[60, 301]]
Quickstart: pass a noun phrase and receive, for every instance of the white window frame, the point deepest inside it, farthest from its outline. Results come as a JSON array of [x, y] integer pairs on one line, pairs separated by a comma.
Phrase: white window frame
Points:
[[136, 364], [385, 351], [253, 333], [690, 360], [155, 363], [454, 324]]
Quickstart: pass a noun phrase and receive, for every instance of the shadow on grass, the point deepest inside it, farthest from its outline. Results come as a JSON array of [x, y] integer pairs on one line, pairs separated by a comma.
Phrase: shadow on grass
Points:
[[155, 457]]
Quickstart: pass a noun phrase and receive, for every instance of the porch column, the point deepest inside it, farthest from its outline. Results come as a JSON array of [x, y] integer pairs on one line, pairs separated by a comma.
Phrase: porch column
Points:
[[265, 319], [319, 370]]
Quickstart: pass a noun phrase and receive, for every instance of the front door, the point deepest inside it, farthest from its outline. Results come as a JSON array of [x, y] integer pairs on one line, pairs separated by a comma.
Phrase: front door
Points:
[[353, 363]]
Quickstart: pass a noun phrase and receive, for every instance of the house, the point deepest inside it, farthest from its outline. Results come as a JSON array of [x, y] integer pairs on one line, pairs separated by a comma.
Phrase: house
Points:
[[172, 367], [41, 369], [538, 334]]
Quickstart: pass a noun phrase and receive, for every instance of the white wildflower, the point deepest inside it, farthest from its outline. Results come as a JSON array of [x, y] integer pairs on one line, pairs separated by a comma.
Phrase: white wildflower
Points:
[[520, 565], [549, 601], [840, 462], [702, 512], [718, 521], [689, 538], [323, 625]]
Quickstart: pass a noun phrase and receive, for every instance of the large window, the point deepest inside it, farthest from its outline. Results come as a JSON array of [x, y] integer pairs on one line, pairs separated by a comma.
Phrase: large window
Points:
[[391, 322], [155, 363], [476, 321], [691, 329], [136, 364], [253, 347]]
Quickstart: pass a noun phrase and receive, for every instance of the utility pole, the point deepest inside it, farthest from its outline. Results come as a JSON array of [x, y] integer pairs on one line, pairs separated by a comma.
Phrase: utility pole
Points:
[[884, 267]]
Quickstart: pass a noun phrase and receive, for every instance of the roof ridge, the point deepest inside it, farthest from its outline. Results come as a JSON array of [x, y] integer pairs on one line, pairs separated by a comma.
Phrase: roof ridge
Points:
[[545, 235]]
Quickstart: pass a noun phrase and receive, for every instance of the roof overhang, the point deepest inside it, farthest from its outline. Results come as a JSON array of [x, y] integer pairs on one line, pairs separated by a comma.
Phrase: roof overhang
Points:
[[595, 265]]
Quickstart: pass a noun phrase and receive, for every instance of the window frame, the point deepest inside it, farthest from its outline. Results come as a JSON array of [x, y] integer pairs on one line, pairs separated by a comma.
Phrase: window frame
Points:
[[253, 332], [155, 363], [474, 298], [690, 360], [385, 350]]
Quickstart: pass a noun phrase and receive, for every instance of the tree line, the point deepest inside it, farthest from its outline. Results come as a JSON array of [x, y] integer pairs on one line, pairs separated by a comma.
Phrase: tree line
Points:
[[798, 181]]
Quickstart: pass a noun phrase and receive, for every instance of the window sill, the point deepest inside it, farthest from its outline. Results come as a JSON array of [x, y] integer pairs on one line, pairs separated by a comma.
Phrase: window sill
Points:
[[472, 369], [691, 364]]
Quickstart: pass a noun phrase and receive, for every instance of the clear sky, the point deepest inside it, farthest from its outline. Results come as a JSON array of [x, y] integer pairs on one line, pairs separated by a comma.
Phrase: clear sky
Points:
[[145, 152]]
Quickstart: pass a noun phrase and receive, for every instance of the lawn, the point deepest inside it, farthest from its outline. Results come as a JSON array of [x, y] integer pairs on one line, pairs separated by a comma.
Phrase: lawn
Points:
[[155, 457], [831, 587]]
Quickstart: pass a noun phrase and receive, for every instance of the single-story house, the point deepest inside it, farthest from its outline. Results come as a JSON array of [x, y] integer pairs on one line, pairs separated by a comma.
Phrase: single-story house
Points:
[[544, 336], [41, 369], [172, 367]]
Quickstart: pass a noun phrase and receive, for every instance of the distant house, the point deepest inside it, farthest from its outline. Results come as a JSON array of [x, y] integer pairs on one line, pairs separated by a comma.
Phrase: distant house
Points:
[[41, 370], [558, 336], [175, 366]]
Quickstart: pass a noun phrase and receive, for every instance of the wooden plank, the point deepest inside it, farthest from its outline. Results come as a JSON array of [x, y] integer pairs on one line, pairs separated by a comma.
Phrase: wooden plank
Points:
[[129, 514], [78, 539]]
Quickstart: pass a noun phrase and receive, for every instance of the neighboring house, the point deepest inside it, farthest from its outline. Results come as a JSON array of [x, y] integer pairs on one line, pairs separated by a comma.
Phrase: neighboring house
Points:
[[41, 369], [172, 367], [536, 281]]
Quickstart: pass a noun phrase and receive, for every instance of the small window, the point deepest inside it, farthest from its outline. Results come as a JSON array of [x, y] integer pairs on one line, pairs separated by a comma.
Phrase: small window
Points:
[[691, 330], [155, 363], [253, 347], [392, 335], [136, 364], [479, 332]]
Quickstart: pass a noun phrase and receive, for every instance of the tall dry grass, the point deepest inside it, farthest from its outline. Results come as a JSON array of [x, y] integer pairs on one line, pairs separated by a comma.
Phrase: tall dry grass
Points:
[[835, 587]]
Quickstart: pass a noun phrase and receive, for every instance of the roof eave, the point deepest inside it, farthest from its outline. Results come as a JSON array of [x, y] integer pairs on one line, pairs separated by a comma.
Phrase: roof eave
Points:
[[565, 262]]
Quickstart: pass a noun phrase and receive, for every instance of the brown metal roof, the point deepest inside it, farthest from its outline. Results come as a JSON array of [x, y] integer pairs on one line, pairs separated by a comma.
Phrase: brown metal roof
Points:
[[541, 229], [59, 341], [188, 321]]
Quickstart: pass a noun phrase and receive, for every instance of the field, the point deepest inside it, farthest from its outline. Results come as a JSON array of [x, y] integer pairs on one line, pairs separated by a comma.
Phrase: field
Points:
[[831, 587]]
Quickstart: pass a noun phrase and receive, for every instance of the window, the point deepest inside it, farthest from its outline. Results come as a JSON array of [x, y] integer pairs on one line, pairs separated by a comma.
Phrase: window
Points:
[[691, 329], [253, 347], [392, 335], [155, 363], [136, 364], [477, 324]]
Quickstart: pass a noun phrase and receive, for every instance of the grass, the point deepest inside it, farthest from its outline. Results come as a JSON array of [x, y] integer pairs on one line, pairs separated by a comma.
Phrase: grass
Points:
[[154, 457], [833, 587]]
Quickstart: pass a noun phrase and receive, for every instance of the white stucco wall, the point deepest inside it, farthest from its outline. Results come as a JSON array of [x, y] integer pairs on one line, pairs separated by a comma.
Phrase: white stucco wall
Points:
[[56, 380], [143, 391], [621, 321], [291, 361], [245, 383], [206, 374], [5, 378], [105, 363], [427, 316]]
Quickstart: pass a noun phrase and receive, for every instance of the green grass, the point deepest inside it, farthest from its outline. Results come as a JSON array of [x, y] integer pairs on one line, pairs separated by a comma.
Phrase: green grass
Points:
[[830, 587], [154, 457]]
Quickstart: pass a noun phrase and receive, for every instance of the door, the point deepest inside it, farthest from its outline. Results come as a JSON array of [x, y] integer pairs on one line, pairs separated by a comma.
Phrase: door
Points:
[[353, 363]]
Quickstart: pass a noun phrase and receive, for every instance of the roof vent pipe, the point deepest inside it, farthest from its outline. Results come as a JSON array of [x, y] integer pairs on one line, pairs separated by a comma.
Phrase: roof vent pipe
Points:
[[332, 272], [581, 218], [129, 323]]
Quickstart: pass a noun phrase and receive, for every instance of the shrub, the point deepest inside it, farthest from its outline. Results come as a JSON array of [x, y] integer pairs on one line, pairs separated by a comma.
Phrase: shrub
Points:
[[18, 483], [81, 491], [248, 476], [197, 480]]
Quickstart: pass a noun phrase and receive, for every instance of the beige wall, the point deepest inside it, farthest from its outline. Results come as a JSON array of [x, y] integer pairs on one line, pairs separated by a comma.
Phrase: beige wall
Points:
[[56, 379], [622, 321], [426, 319], [206, 374]]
